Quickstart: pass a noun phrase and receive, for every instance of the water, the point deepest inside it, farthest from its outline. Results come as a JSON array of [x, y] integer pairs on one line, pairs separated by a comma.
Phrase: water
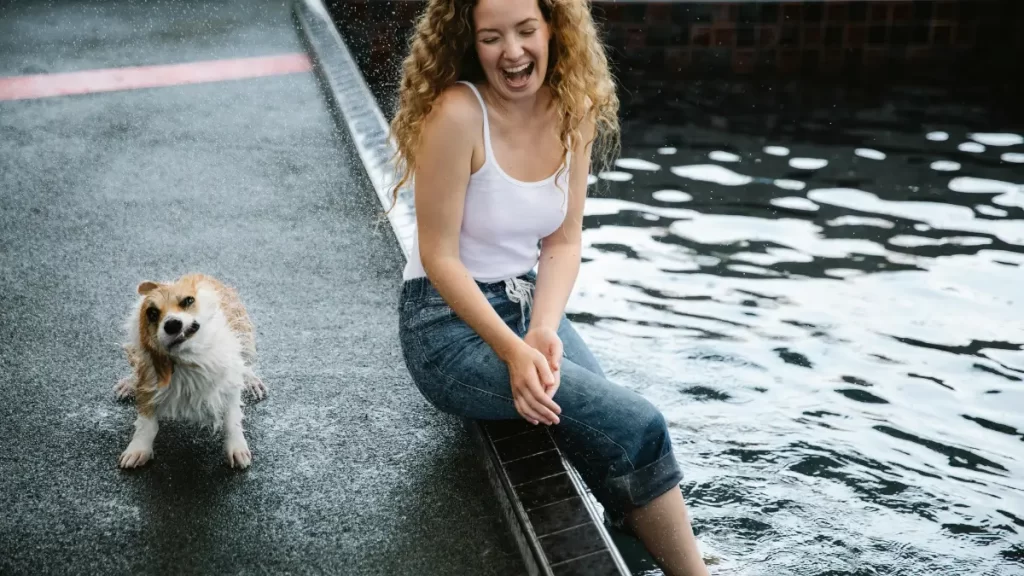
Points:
[[823, 294]]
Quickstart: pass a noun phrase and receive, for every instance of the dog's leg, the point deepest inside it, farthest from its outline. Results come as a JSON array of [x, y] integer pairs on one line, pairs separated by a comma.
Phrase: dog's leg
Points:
[[140, 449], [235, 447], [254, 384], [125, 387]]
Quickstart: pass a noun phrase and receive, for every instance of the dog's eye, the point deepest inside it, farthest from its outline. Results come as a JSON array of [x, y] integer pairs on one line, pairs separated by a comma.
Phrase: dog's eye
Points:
[[153, 314], [187, 301]]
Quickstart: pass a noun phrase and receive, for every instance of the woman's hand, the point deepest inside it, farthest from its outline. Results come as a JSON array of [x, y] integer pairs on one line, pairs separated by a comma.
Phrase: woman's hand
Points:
[[531, 376], [547, 342]]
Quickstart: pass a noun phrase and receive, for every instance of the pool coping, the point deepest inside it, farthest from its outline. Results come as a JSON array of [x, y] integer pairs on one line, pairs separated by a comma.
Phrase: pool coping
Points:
[[557, 527]]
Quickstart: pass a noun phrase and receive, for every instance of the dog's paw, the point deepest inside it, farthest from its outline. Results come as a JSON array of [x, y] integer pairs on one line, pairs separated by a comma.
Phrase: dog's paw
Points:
[[135, 456], [238, 454], [125, 388], [255, 386]]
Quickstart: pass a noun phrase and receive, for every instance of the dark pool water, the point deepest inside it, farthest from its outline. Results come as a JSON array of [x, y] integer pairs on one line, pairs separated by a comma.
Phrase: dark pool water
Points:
[[825, 295]]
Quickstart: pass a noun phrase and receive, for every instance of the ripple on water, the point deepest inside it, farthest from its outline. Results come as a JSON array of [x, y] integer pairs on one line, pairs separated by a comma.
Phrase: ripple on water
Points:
[[790, 184], [637, 164], [991, 139], [808, 163], [712, 173], [671, 196], [795, 203], [722, 156], [870, 154], [615, 176], [945, 166]]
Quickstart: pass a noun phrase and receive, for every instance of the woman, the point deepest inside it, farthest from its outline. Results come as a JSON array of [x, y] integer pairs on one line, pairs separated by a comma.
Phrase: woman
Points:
[[501, 106]]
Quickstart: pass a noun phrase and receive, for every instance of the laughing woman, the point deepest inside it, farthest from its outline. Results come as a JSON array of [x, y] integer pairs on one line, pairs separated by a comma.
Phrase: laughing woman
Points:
[[501, 106]]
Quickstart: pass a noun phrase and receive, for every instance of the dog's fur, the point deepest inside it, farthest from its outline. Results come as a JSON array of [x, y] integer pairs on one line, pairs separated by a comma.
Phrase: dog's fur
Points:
[[194, 368]]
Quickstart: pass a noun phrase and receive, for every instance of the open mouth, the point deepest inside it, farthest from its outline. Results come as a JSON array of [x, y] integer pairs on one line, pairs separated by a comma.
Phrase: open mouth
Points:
[[519, 75]]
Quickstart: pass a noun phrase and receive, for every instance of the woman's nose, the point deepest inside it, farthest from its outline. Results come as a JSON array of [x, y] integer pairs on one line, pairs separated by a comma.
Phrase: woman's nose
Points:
[[513, 50]]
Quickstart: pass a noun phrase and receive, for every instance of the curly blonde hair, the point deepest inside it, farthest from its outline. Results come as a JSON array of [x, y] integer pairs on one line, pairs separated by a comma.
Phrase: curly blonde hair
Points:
[[441, 52]]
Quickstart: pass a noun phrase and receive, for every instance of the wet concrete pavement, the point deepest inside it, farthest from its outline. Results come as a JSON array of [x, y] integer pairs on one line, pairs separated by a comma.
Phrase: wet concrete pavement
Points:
[[247, 180]]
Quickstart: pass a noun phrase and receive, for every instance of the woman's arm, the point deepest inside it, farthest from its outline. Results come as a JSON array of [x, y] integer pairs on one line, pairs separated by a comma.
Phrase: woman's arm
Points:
[[442, 175], [560, 251], [444, 163]]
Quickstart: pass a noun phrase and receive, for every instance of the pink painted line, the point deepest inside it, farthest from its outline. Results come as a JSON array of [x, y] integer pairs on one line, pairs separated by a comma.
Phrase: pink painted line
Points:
[[132, 78]]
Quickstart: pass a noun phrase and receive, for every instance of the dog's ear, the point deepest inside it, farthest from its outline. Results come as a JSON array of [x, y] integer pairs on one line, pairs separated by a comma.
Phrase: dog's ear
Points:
[[146, 287], [163, 367]]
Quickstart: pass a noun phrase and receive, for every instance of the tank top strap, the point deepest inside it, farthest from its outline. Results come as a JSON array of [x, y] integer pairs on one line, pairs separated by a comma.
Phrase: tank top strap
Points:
[[487, 125]]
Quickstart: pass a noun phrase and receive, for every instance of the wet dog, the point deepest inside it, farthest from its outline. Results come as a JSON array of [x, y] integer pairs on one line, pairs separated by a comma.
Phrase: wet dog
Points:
[[191, 347]]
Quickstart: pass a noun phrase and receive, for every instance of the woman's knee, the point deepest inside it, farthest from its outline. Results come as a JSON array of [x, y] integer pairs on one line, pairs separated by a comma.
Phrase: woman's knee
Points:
[[655, 469], [655, 440], [637, 462]]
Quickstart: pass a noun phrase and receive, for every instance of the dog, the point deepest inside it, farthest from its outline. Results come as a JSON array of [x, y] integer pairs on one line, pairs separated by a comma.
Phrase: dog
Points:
[[192, 350]]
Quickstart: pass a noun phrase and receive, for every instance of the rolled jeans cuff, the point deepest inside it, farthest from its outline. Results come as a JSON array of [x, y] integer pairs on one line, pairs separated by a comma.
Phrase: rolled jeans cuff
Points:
[[641, 486]]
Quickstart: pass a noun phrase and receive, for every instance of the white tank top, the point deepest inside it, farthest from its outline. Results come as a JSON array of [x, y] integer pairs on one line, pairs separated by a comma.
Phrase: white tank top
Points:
[[503, 219]]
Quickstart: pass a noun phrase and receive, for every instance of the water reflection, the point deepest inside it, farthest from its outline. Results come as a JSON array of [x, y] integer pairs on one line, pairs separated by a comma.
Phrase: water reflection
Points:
[[826, 304]]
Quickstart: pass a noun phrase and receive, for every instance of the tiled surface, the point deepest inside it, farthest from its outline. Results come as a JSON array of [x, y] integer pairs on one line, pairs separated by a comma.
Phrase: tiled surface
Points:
[[561, 515], [567, 534], [547, 463], [522, 445], [572, 543], [597, 564]]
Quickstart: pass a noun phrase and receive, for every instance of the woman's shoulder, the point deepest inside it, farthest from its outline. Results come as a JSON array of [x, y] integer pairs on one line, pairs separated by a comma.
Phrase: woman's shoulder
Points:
[[456, 107]]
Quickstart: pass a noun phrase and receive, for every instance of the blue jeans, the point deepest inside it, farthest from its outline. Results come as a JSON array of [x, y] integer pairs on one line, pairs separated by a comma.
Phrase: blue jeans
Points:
[[615, 438]]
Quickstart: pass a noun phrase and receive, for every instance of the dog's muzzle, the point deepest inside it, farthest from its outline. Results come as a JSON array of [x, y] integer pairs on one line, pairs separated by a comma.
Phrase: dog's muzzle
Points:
[[173, 327]]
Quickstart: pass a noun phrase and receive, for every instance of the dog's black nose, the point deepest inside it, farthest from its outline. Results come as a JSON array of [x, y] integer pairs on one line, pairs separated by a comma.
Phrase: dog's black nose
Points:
[[172, 326], [192, 329]]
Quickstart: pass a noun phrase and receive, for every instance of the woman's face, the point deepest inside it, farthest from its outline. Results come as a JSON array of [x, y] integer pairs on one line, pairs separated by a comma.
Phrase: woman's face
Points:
[[512, 45]]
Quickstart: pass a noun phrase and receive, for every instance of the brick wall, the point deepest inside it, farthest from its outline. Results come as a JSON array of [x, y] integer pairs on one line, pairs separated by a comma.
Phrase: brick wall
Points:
[[925, 40], [853, 40]]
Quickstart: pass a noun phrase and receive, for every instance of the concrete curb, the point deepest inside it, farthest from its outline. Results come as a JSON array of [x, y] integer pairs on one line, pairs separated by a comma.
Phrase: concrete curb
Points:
[[557, 527]]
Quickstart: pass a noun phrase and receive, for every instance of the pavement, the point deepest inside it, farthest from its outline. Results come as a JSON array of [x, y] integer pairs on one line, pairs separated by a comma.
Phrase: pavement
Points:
[[247, 180]]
